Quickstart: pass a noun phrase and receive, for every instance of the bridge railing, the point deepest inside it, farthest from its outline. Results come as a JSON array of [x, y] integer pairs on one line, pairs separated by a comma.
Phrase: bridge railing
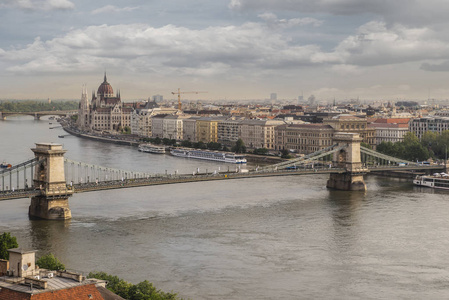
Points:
[[20, 175]]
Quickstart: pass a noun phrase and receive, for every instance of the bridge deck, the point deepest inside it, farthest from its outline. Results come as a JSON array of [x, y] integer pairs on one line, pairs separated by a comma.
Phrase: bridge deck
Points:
[[168, 179], [186, 178]]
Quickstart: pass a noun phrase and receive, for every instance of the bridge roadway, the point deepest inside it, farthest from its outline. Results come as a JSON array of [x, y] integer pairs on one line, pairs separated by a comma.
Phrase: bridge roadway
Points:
[[186, 178], [38, 114], [167, 179]]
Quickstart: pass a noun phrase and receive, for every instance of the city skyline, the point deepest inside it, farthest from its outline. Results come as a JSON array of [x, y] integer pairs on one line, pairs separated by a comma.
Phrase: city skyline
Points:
[[233, 49]]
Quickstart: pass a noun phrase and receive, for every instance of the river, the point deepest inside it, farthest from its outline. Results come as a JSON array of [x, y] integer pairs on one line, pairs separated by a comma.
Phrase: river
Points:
[[260, 238]]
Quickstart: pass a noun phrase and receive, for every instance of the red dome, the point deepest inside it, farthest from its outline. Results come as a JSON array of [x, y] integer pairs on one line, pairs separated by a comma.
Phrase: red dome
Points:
[[105, 89]]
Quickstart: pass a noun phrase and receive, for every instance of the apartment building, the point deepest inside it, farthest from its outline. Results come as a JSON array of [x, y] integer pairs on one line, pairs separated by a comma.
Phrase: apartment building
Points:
[[258, 133], [303, 138]]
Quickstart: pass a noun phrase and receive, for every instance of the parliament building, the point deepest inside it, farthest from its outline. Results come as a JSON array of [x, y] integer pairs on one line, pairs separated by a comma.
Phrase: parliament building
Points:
[[104, 112]]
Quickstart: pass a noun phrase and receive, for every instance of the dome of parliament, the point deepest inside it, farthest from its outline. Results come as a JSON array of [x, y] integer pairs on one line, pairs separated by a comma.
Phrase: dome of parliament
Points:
[[105, 89]]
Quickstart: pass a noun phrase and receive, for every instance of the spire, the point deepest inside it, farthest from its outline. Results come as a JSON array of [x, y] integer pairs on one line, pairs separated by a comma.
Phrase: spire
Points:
[[105, 79]]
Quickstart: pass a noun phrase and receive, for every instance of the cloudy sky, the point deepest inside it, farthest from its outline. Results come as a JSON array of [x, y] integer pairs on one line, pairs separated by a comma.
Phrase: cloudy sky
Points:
[[233, 49]]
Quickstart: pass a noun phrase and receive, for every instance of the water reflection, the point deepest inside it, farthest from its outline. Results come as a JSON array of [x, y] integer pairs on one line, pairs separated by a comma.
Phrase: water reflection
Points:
[[47, 235], [345, 218]]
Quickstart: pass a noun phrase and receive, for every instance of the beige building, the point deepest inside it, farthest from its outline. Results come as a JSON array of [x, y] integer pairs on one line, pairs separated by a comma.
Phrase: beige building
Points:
[[172, 127], [389, 132], [157, 125], [228, 131], [353, 124], [206, 130], [258, 133], [303, 138], [189, 129]]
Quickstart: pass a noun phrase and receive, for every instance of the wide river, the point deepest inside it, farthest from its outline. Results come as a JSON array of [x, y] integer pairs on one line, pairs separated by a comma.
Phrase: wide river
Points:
[[265, 238]]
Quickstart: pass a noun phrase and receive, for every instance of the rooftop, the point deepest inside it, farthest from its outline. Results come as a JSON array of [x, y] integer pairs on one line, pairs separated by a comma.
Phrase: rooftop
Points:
[[54, 283]]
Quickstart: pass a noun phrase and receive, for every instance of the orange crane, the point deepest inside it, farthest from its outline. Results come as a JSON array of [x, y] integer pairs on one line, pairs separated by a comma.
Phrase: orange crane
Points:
[[179, 96]]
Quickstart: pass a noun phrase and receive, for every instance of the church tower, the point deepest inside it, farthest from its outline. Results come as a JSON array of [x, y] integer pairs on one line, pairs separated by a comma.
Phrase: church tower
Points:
[[84, 110]]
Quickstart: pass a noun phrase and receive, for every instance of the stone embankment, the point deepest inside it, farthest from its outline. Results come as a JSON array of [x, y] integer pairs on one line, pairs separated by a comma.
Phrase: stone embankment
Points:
[[121, 140], [108, 139]]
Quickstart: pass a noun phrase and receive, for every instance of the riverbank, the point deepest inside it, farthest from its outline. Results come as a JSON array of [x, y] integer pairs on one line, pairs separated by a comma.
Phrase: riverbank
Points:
[[115, 140], [120, 140]]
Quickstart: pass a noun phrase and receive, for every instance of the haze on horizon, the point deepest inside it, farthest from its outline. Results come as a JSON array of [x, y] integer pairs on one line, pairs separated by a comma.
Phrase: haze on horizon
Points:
[[234, 49]]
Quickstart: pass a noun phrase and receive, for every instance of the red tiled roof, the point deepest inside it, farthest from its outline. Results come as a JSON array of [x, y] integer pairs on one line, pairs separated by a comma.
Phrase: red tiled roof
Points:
[[77, 292]]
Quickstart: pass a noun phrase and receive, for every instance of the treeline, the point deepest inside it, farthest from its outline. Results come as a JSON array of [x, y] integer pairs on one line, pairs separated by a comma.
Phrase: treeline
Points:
[[432, 145], [35, 106], [142, 291]]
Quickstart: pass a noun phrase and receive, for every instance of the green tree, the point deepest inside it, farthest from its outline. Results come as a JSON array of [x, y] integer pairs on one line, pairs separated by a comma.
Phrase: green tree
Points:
[[213, 146], [126, 130], [50, 262], [186, 143], [261, 151], [363, 144], [239, 147], [200, 145], [141, 291], [157, 140], [285, 154], [7, 241]]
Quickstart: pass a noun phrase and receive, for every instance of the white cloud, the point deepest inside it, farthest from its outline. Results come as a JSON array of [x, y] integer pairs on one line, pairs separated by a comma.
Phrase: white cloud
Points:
[[403, 11], [112, 9], [376, 44], [39, 4], [249, 46], [273, 21]]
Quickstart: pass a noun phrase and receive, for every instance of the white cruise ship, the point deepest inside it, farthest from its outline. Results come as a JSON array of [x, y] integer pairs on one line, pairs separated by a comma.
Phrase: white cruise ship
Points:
[[436, 181], [227, 157], [150, 148]]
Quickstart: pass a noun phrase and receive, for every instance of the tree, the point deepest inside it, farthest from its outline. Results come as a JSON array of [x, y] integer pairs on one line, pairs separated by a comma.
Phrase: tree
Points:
[[363, 144], [126, 130], [141, 291], [157, 140], [261, 151], [7, 242], [213, 146], [239, 147], [186, 143], [50, 262], [285, 154]]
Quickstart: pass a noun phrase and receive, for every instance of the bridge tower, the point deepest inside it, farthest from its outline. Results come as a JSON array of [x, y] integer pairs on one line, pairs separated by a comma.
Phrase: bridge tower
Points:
[[49, 177], [349, 159]]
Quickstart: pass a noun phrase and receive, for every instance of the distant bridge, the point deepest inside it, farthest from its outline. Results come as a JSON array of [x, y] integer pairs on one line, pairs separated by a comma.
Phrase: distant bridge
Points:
[[39, 114], [50, 179]]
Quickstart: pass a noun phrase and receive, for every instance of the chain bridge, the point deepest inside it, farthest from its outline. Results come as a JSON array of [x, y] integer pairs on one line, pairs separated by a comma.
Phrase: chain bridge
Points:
[[50, 179], [37, 115]]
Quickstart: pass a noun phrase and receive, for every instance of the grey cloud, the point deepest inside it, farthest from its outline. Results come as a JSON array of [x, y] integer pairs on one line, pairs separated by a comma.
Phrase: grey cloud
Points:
[[273, 21], [38, 4], [443, 67], [112, 9], [250, 46], [417, 12]]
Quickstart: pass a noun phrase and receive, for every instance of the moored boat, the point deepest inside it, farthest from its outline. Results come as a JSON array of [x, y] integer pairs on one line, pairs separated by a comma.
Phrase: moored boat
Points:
[[150, 148], [436, 181], [227, 157]]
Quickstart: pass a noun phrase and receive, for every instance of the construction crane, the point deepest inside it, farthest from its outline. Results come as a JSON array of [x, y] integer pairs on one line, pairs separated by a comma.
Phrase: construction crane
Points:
[[179, 96]]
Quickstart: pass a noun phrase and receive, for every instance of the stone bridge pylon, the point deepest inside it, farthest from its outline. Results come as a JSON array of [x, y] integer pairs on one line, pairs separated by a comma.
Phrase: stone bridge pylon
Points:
[[53, 201], [349, 159]]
